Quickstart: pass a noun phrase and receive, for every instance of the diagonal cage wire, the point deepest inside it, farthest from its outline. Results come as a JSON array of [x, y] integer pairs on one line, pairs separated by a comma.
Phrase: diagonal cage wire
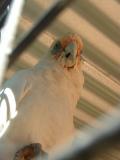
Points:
[[85, 145]]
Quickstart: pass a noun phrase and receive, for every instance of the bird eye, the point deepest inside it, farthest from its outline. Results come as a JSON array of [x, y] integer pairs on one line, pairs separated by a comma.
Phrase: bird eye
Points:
[[56, 47]]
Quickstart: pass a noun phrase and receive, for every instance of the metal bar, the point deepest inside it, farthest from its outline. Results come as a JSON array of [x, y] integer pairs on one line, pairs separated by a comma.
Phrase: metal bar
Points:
[[4, 6], [40, 25], [84, 147], [8, 34], [3, 17], [4, 11]]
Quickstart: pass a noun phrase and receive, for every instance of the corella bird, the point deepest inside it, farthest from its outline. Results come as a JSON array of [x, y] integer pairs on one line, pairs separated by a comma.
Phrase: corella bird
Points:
[[39, 102]]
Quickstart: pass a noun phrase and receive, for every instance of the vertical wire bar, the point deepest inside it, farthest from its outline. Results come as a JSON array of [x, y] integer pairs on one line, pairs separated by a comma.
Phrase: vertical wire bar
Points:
[[8, 34]]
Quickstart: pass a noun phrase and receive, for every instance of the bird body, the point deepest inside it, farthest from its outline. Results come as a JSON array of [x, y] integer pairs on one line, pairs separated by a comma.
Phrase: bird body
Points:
[[46, 96]]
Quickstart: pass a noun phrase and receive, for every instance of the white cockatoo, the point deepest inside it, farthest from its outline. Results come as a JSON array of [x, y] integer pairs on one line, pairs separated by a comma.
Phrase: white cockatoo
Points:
[[37, 105]]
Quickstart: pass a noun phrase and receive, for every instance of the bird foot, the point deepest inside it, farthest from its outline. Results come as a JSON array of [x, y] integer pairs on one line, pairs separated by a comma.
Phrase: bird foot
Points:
[[28, 152]]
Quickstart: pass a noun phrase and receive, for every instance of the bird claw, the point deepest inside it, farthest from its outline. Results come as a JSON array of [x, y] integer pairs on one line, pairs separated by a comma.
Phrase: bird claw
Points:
[[28, 152]]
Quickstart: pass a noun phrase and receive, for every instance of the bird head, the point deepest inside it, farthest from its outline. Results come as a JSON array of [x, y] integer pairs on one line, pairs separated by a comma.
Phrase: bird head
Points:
[[67, 50]]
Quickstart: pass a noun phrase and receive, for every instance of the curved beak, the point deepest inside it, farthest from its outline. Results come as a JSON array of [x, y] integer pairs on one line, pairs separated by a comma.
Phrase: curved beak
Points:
[[71, 50]]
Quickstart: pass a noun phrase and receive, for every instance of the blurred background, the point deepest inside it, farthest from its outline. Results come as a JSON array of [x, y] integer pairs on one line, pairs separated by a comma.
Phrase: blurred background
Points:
[[98, 23]]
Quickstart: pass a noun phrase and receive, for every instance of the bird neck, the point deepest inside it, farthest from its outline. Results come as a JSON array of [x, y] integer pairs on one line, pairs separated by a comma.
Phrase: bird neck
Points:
[[52, 69]]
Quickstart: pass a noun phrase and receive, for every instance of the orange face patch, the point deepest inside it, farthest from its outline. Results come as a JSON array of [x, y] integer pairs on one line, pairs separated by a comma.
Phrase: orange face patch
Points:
[[59, 47]]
